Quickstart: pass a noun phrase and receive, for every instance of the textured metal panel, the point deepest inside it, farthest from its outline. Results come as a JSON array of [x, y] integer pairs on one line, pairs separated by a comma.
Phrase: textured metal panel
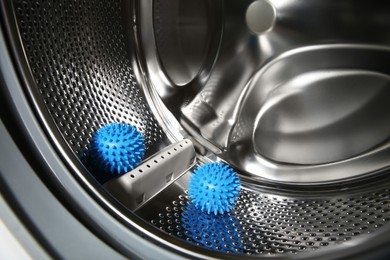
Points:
[[267, 224], [80, 62]]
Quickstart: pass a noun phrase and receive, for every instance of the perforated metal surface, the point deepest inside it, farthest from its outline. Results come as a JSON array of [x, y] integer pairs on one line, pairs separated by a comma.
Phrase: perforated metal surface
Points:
[[80, 62], [273, 225]]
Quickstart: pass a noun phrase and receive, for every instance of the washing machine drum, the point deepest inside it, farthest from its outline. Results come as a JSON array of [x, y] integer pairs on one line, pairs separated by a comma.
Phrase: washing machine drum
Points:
[[292, 95]]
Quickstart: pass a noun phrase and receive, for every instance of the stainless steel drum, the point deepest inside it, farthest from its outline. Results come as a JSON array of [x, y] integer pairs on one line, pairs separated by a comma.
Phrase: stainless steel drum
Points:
[[292, 94]]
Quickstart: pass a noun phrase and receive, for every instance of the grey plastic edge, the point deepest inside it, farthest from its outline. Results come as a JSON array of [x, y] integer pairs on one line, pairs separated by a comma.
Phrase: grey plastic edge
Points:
[[15, 240]]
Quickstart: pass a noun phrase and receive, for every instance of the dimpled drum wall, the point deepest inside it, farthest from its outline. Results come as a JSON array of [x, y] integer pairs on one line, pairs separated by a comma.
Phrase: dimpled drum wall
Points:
[[291, 94]]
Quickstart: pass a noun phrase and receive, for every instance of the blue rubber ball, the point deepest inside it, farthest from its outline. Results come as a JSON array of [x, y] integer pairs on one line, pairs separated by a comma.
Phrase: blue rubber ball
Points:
[[214, 188], [117, 148]]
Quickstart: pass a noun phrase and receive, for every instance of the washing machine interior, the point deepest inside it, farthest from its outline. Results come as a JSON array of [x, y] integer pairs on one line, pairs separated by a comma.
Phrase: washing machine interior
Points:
[[292, 94]]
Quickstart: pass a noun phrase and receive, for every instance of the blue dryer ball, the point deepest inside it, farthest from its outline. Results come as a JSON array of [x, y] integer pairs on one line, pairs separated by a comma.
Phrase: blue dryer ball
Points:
[[117, 148], [214, 187]]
